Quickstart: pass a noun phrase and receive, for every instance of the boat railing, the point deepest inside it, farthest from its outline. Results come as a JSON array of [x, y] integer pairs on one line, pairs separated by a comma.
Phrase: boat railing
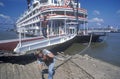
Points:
[[23, 47]]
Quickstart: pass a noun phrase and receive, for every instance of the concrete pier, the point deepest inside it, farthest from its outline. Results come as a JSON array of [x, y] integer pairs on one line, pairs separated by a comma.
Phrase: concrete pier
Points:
[[80, 67]]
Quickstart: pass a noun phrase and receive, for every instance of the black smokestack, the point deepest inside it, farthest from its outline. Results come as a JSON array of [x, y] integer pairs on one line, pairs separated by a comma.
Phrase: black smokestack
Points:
[[28, 3]]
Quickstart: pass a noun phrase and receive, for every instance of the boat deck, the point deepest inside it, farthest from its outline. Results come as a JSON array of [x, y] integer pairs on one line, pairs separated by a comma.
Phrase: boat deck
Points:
[[21, 47], [41, 43]]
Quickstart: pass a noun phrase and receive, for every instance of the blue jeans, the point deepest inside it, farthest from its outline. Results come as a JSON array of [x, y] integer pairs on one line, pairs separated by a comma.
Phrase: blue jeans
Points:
[[51, 70]]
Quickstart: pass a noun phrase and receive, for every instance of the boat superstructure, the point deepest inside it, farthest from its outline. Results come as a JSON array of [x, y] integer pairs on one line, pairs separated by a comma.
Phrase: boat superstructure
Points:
[[60, 13], [64, 17], [63, 20]]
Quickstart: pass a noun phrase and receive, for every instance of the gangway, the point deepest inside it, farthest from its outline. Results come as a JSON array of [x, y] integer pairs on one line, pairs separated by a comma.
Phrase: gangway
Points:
[[23, 47]]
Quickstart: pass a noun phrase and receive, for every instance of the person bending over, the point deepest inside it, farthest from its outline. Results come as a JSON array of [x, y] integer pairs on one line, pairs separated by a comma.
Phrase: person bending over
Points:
[[47, 57]]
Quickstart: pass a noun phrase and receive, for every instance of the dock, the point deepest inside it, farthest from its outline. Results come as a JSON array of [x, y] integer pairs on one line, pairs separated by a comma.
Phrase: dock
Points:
[[81, 67]]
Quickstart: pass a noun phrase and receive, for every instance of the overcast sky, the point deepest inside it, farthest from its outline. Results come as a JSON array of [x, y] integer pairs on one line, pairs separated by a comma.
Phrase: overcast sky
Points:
[[101, 13]]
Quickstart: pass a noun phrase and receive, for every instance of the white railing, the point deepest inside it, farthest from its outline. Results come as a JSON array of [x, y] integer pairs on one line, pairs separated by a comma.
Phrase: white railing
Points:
[[32, 45], [100, 31]]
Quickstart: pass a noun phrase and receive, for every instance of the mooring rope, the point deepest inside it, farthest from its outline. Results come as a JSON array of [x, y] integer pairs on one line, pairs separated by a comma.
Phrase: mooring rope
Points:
[[75, 54], [70, 57], [79, 52], [87, 45], [103, 39]]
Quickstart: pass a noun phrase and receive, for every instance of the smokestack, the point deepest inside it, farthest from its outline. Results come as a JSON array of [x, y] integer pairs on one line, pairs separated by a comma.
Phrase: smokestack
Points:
[[28, 3]]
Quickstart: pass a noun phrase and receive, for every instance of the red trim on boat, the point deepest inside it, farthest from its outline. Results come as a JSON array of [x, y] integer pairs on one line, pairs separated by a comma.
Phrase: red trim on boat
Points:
[[10, 45]]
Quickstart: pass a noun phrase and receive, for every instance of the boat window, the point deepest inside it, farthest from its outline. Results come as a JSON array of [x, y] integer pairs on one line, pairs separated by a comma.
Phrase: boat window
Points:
[[34, 5], [55, 1], [38, 24], [43, 1], [59, 12]]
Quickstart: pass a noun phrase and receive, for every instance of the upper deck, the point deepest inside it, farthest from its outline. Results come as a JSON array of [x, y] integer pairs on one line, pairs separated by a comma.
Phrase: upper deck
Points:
[[42, 7]]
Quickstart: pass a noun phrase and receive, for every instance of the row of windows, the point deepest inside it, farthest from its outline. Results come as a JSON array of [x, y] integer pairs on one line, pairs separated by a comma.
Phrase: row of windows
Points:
[[57, 12], [38, 17], [52, 12], [28, 16], [32, 25], [31, 20]]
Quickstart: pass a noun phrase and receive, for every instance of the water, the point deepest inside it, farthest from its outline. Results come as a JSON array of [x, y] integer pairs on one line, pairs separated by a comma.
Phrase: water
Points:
[[107, 51], [4, 35]]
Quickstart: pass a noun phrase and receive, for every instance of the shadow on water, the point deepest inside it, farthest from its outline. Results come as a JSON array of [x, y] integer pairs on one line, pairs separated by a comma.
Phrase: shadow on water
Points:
[[62, 47]]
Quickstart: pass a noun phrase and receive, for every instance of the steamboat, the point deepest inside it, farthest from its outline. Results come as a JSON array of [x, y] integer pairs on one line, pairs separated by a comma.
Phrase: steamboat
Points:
[[63, 20], [63, 16]]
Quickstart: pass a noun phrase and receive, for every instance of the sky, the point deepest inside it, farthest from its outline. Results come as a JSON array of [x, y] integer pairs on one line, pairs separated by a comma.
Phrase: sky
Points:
[[101, 13]]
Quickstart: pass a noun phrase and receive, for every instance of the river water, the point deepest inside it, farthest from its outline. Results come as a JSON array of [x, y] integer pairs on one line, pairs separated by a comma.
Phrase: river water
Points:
[[4, 35], [107, 51]]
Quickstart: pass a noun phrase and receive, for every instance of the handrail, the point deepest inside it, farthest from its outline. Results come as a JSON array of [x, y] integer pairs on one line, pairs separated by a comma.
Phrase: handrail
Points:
[[32, 45], [61, 7]]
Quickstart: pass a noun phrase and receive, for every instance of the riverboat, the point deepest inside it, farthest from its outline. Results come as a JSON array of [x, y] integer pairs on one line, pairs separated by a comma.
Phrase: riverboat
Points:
[[60, 13], [63, 20]]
